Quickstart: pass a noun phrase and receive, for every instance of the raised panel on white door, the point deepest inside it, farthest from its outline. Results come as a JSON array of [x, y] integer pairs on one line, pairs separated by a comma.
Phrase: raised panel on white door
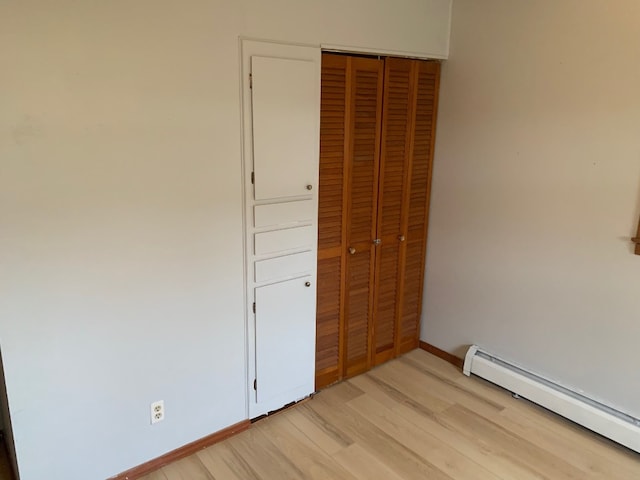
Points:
[[283, 267], [285, 113], [283, 213], [282, 240], [285, 340]]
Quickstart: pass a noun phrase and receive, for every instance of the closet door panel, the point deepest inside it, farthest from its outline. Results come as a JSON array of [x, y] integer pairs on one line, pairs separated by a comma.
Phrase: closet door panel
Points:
[[419, 192], [386, 301], [358, 312], [364, 128], [366, 105], [333, 105], [331, 219], [284, 106], [377, 128], [412, 295], [397, 127], [277, 214], [285, 312], [329, 313], [397, 123]]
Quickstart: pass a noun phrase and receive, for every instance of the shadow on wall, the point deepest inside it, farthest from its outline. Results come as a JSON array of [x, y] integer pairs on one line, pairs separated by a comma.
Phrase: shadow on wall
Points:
[[8, 466]]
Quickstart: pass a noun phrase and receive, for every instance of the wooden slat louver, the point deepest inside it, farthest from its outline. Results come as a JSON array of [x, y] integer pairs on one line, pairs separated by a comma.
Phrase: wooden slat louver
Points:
[[366, 108], [376, 147], [331, 213], [428, 77], [397, 126]]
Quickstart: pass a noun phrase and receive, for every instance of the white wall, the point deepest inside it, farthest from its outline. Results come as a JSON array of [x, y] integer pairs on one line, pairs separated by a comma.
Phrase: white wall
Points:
[[121, 213], [536, 191]]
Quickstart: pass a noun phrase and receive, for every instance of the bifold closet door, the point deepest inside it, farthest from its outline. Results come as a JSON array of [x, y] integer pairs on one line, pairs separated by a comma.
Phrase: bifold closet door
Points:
[[331, 219], [426, 87], [362, 202], [397, 130], [408, 127], [351, 106], [376, 141]]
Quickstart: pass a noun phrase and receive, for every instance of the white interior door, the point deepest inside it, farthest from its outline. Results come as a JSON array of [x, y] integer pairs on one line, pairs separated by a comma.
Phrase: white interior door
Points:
[[281, 133], [285, 133], [285, 336]]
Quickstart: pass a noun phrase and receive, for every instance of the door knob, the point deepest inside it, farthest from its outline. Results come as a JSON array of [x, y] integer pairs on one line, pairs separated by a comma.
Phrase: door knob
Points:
[[377, 241], [309, 187], [401, 238], [352, 250], [307, 284]]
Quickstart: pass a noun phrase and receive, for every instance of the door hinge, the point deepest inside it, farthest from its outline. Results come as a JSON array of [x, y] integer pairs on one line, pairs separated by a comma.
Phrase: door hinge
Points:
[[253, 178], [254, 307], [250, 81], [255, 384]]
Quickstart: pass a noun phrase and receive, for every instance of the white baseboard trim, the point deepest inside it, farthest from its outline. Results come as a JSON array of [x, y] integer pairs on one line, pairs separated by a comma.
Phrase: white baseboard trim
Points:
[[605, 420]]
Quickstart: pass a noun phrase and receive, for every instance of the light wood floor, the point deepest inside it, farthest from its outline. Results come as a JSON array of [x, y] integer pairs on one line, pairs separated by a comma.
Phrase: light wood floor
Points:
[[415, 417]]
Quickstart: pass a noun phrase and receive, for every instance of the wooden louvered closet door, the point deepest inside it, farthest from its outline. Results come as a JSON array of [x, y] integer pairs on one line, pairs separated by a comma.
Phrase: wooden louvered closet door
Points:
[[362, 181], [369, 110], [350, 126], [331, 219], [398, 121], [418, 193]]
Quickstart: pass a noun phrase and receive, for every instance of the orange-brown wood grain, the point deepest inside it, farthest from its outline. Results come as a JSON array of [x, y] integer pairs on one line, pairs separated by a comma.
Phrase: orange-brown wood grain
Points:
[[377, 131], [364, 136]]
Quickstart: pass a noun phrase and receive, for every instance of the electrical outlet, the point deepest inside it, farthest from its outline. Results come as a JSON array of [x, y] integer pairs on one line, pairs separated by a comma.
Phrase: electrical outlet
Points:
[[157, 411]]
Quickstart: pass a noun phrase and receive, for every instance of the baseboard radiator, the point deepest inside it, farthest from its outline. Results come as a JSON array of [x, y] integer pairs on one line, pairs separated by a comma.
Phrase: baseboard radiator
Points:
[[608, 422]]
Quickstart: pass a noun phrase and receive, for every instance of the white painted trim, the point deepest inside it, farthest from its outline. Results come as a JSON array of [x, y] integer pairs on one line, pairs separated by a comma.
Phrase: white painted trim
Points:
[[468, 360], [449, 29], [555, 399], [276, 43], [245, 260], [328, 47]]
